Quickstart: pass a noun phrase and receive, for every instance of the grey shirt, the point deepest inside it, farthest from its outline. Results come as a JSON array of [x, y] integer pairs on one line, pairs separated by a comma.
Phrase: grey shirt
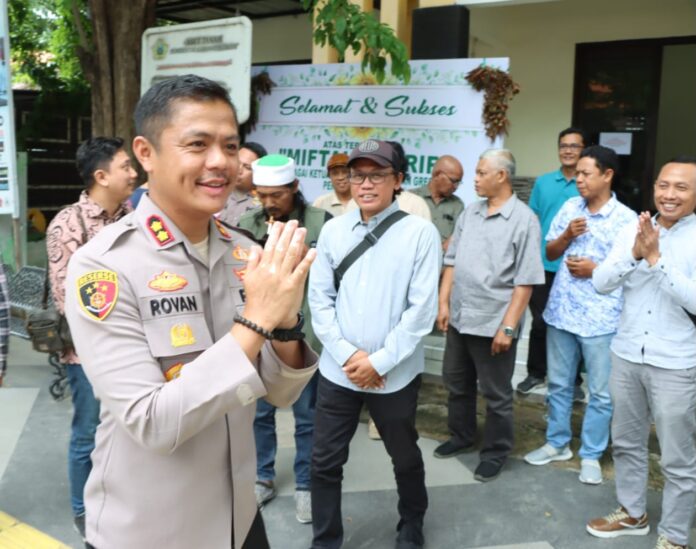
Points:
[[491, 254], [237, 205]]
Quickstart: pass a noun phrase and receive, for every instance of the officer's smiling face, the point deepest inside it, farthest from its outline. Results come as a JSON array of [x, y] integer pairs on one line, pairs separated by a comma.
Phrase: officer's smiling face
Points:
[[193, 166]]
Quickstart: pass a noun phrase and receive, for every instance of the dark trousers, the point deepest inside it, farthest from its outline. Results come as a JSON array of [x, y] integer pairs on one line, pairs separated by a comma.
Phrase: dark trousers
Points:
[[335, 421], [468, 360], [536, 358]]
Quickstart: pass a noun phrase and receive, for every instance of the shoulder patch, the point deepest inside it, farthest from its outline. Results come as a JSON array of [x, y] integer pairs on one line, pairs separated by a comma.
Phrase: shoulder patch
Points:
[[98, 292], [159, 230]]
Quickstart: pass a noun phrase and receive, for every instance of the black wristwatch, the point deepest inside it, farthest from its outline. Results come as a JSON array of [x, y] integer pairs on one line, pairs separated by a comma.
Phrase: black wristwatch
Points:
[[293, 334]]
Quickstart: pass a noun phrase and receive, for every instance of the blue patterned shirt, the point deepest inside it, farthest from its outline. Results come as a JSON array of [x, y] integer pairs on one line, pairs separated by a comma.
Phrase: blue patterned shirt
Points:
[[574, 305]]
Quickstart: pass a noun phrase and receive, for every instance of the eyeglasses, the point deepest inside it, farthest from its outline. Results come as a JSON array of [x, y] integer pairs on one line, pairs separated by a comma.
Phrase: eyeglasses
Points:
[[376, 178], [452, 179], [571, 146]]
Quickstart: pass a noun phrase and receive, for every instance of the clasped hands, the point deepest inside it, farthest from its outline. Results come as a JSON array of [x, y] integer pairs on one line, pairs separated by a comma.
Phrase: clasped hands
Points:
[[360, 371], [579, 267], [647, 243], [275, 277]]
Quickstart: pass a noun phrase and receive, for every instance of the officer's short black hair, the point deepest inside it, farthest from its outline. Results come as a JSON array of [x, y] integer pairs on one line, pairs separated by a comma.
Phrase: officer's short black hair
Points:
[[258, 149], [154, 110], [604, 157], [95, 154], [578, 131]]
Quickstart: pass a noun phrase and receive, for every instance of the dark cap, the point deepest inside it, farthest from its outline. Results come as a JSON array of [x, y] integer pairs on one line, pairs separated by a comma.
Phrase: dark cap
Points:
[[338, 159], [380, 152]]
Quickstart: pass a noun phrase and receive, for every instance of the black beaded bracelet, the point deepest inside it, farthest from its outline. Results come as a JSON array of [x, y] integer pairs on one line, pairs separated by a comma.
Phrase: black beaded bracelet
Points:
[[239, 319]]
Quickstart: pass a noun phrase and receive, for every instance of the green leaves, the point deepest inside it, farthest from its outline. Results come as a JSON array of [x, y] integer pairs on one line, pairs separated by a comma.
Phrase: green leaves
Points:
[[344, 26]]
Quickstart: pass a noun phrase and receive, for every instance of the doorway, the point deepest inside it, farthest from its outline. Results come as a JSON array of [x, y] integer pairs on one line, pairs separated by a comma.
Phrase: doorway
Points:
[[639, 97]]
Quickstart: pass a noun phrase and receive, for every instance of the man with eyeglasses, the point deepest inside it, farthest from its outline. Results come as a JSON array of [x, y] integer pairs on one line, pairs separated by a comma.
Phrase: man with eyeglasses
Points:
[[439, 195], [277, 188], [549, 193], [242, 199], [371, 325]]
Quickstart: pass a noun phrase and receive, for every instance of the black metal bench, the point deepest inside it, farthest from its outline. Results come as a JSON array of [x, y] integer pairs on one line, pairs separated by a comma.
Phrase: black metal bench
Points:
[[26, 293]]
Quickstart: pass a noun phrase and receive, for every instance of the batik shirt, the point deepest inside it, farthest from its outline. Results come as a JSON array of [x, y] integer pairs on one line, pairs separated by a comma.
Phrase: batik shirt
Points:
[[574, 305], [65, 235]]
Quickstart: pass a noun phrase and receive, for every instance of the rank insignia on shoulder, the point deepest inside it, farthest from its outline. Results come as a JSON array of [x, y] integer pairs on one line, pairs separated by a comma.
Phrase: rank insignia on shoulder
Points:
[[173, 371], [159, 230], [242, 254], [181, 335], [167, 282], [222, 229], [239, 273], [98, 291]]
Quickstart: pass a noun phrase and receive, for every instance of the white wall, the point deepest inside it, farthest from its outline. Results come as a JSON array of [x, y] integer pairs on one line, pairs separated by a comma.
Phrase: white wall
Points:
[[540, 41]]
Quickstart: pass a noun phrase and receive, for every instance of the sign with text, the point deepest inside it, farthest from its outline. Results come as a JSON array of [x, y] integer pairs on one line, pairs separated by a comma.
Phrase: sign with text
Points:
[[315, 111], [9, 203], [219, 50]]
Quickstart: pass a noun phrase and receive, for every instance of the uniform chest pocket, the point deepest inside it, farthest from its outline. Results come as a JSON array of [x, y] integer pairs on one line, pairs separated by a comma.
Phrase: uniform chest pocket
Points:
[[235, 268]]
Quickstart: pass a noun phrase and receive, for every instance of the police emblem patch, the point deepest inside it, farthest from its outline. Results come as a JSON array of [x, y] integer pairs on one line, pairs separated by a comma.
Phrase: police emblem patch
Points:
[[167, 282], [242, 254], [98, 291], [159, 230], [181, 335], [173, 371], [240, 273]]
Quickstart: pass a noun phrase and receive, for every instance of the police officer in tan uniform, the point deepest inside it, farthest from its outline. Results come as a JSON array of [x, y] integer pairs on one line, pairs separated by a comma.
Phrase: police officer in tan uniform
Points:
[[182, 325]]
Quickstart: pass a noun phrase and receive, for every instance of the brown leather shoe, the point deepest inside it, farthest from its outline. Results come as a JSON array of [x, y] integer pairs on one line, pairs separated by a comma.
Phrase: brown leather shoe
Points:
[[618, 523]]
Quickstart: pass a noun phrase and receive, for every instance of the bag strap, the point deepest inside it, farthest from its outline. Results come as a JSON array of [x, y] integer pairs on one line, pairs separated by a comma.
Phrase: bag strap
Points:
[[370, 240]]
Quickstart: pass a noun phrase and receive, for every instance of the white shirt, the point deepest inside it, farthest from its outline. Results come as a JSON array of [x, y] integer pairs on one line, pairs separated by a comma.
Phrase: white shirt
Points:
[[654, 327]]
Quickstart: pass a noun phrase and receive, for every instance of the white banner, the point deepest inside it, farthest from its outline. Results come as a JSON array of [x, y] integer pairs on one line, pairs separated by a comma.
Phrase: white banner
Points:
[[218, 49], [318, 110], [8, 157]]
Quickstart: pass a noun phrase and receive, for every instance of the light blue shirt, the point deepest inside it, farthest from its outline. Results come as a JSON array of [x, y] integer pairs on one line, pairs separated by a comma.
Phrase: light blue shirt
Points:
[[654, 327], [549, 193], [574, 305], [387, 300]]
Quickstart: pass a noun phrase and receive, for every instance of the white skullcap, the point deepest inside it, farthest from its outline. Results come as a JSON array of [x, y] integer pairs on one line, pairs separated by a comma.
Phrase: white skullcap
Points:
[[273, 170]]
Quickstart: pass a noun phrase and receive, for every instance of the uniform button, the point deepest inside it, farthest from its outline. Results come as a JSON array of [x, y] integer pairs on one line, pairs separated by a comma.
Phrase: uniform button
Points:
[[649, 312], [245, 394], [646, 333]]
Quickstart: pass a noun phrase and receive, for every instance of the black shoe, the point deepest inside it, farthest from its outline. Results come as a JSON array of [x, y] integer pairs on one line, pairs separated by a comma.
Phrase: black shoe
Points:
[[530, 382], [578, 394], [79, 524], [410, 535], [450, 449], [488, 470]]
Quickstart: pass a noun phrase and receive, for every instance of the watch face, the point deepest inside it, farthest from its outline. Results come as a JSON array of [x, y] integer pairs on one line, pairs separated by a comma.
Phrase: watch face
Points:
[[508, 332]]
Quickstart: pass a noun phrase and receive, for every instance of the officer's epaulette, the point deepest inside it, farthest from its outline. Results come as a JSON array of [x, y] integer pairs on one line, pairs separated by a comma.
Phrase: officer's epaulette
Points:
[[239, 230], [107, 237]]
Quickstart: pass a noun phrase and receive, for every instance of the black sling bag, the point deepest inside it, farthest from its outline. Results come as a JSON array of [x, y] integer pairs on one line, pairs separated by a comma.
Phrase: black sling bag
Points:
[[370, 240]]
